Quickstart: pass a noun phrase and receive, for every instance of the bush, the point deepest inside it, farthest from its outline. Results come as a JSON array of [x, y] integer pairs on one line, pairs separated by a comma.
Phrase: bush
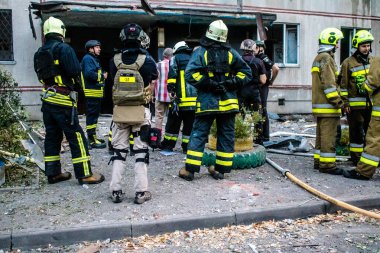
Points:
[[10, 130]]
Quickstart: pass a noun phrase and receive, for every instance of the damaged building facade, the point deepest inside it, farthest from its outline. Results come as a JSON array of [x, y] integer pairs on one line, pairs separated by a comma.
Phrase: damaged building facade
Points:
[[290, 27]]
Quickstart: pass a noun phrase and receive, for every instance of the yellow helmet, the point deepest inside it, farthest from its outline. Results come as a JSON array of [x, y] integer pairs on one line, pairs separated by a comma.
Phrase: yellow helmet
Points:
[[330, 36], [217, 31], [361, 37], [54, 25]]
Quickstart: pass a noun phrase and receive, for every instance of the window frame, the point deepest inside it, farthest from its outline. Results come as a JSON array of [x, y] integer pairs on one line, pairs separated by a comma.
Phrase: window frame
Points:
[[284, 64], [11, 59]]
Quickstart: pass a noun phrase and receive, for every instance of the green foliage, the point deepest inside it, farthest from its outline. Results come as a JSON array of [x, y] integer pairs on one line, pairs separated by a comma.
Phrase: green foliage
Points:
[[243, 126], [10, 130]]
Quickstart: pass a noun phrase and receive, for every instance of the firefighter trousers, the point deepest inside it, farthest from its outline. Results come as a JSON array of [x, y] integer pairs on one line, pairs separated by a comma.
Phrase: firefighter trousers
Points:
[[325, 154], [57, 121], [120, 141], [254, 105], [93, 112], [225, 124], [358, 121], [264, 91], [173, 126], [370, 157]]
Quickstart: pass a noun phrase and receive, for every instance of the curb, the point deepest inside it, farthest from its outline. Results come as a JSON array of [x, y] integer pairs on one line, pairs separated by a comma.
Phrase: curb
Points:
[[115, 231]]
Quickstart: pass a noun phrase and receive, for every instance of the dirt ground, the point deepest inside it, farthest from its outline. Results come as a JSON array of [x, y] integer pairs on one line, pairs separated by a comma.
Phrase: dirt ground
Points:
[[342, 232], [68, 204]]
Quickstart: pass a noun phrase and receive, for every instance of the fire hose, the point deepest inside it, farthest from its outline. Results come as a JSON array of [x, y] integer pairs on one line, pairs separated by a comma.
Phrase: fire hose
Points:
[[319, 194]]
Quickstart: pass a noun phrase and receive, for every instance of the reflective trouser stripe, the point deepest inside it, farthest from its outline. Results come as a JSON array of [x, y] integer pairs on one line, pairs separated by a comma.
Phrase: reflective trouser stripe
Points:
[[356, 147], [370, 160], [327, 158], [52, 158], [83, 154], [91, 126], [317, 154]]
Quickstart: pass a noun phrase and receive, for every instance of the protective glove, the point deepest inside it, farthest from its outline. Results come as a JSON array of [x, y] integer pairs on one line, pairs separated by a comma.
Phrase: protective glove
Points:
[[230, 84], [217, 87], [359, 84]]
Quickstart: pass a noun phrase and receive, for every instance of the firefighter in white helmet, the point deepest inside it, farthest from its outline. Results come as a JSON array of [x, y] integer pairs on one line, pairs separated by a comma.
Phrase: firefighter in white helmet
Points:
[[218, 72]]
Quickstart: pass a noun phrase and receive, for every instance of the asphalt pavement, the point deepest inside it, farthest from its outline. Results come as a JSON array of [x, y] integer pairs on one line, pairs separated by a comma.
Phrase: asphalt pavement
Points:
[[68, 213]]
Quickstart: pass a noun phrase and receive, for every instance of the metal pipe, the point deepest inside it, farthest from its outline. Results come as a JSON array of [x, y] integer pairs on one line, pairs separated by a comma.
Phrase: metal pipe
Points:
[[321, 195]]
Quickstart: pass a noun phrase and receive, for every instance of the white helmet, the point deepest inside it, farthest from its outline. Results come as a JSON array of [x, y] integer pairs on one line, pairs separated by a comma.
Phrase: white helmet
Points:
[[54, 25], [179, 45], [217, 31]]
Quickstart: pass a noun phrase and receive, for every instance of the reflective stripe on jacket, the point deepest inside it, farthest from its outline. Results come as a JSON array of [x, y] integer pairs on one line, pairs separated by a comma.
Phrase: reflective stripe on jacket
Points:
[[326, 101], [92, 76], [197, 74], [184, 91], [351, 68]]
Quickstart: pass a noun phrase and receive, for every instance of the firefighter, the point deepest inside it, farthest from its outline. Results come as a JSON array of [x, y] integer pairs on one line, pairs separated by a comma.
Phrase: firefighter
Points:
[[217, 71], [249, 96], [184, 98], [370, 157], [132, 58], [93, 85], [354, 71], [271, 72], [59, 71], [326, 102]]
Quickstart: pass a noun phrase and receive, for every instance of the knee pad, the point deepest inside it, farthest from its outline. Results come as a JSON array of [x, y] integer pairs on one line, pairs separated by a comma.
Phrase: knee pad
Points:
[[120, 154], [144, 159]]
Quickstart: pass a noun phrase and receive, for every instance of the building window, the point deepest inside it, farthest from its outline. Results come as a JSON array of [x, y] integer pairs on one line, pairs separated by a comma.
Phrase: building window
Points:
[[6, 38], [285, 39]]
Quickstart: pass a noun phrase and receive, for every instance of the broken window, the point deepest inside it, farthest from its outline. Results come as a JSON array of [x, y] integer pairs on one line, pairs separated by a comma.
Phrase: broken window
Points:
[[6, 38], [285, 39]]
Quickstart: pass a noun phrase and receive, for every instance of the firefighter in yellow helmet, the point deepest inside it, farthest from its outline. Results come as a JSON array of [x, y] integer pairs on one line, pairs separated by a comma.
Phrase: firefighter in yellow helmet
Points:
[[370, 157], [326, 102], [218, 72], [354, 72], [58, 69]]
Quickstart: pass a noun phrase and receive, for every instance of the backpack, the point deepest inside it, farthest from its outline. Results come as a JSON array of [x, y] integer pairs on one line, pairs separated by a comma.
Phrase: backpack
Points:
[[44, 64], [128, 88]]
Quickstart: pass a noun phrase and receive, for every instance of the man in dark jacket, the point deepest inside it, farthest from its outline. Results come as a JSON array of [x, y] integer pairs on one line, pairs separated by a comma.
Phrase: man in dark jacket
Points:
[[58, 69], [217, 72], [249, 96], [184, 98], [132, 56], [271, 71], [94, 78]]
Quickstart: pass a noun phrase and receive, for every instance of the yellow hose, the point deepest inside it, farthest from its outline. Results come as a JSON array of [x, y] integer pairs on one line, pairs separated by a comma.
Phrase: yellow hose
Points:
[[331, 199], [320, 194]]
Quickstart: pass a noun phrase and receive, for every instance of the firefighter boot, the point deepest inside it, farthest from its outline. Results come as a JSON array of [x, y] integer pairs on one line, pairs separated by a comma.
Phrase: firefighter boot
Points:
[[354, 175], [117, 196], [141, 197], [215, 174], [336, 171], [95, 143], [96, 178], [185, 174], [59, 178]]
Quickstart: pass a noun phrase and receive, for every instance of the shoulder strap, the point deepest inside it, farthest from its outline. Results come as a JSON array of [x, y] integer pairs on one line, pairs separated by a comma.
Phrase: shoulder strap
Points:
[[117, 60], [134, 66]]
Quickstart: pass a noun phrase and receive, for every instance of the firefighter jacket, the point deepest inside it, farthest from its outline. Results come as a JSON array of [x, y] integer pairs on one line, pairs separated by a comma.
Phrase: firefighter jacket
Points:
[[351, 68], [372, 85], [186, 93], [204, 68], [57, 90], [93, 78], [326, 101]]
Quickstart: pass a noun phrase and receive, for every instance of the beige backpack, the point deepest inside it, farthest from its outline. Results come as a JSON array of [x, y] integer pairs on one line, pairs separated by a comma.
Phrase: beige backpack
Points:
[[128, 88]]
